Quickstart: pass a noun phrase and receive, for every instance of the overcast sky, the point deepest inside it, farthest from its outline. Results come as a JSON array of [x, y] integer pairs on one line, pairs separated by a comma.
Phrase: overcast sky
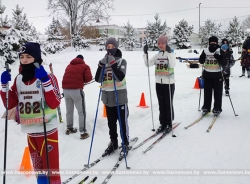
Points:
[[138, 12]]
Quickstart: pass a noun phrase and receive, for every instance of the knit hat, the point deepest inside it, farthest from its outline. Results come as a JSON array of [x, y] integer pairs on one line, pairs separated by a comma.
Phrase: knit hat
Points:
[[224, 47], [80, 56], [162, 39], [32, 49], [213, 39], [112, 41]]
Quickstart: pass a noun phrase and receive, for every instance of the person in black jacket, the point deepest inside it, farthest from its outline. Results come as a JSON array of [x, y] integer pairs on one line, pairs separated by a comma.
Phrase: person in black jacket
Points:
[[230, 62], [212, 58], [245, 57]]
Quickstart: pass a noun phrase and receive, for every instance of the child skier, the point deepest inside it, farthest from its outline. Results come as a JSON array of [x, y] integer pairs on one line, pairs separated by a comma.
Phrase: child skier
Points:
[[228, 53], [115, 70], [212, 58], [164, 62], [25, 92], [245, 57]]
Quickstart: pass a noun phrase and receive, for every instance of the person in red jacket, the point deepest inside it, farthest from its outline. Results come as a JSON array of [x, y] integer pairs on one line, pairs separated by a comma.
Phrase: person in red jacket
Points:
[[26, 93], [76, 75]]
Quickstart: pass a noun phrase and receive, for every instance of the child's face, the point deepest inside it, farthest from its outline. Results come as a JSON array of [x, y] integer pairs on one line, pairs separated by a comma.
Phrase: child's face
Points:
[[110, 46], [26, 59], [162, 46]]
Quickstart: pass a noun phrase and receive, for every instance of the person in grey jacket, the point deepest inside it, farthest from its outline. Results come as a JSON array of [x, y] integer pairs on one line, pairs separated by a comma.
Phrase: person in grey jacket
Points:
[[114, 71]]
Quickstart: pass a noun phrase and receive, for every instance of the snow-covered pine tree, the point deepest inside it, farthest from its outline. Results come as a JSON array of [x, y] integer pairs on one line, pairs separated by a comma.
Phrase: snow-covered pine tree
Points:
[[182, 32], [208, 30], [130, 37], [12, 38], [79, 42], [154, 30], [235, 33], [55, 39]]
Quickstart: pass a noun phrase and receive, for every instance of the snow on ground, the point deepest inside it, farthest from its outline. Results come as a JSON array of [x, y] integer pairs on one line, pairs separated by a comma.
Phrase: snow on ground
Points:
[[226, 147]]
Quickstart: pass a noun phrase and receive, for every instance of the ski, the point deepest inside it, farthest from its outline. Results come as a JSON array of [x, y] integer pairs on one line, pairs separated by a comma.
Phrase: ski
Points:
[[82, 181], [196, 121], [93, 181], [147, 139], [159, 139], [58, 108], [86, 167], [212, 123], [119, 161]]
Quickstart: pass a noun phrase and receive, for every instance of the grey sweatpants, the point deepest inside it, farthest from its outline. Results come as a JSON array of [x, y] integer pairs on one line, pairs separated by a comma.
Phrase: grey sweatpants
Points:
[[75, 97]]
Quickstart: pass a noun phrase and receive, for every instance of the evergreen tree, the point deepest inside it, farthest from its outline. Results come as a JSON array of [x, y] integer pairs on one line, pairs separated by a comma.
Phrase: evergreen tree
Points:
[[154, 30], [235, 33], [181, 35], [19, 20], [54, 41], [208, 30], [129, 37]]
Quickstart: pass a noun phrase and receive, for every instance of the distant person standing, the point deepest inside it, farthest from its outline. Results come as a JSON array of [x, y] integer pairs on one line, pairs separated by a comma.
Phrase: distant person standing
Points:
[[230, 62], [245, 63], [76, 74]]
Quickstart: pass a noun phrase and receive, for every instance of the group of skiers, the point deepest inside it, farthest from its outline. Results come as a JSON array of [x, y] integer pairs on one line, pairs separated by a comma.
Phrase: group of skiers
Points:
[[111, 73]]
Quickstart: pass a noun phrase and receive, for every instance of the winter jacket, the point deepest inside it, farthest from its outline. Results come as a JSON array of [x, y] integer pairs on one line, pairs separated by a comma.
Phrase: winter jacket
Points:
[[28, 96], [230, 62], [212, 66], [117, 70], [164, 66], [76, 74]]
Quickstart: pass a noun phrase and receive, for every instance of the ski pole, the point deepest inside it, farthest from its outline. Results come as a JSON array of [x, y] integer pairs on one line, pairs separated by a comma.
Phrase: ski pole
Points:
[[171, 105], [44, 125], [150, 92], [58, 108], [228, 94], [200, 91], [6, 125], [99, 96], [120, 122]]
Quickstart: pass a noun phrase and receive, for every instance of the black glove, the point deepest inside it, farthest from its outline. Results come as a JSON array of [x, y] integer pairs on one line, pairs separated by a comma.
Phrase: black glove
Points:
[[217, 56], [145, 49]]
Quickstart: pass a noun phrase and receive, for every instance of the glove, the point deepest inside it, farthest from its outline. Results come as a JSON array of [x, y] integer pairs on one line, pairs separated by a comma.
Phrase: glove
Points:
[[217, 56], [111, 60], [145, 49], [104, 61], [41, 74], [5, 77], [168, 49]]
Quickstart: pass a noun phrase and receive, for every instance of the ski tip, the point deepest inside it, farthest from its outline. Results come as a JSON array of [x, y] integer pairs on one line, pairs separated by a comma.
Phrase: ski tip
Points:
[[95, 178]]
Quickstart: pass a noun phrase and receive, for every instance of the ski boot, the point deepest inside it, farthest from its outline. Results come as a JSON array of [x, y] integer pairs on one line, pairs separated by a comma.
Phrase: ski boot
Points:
[[160, 129], [112, 147]]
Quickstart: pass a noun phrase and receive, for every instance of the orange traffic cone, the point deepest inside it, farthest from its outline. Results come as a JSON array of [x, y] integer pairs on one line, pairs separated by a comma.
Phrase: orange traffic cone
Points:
[[26, 163], [197, 85], [142, 103], [104, 111]]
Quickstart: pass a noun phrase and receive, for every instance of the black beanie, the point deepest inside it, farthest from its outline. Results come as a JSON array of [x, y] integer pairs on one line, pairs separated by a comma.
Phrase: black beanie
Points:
[[79, 56], [32, 49], [213, 39]]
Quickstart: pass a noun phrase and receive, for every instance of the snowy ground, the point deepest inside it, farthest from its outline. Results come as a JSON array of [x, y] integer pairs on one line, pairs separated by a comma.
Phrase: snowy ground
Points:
[[225, 148]]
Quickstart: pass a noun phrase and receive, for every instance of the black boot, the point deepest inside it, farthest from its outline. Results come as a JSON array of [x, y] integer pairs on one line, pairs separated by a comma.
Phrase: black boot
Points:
[[112, 147], [168, 129], [242, 75], [160, 129], [227, 92]]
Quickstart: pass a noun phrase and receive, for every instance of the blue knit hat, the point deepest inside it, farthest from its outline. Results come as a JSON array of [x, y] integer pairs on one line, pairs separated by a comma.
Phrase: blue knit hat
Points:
[[224, 47], [32, 49]]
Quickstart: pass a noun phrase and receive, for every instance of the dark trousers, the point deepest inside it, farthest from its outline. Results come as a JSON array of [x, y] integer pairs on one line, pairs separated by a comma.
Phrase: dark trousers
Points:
[[112, 116], [243, 70], [213, 85], [162, 91], [226, 77]]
